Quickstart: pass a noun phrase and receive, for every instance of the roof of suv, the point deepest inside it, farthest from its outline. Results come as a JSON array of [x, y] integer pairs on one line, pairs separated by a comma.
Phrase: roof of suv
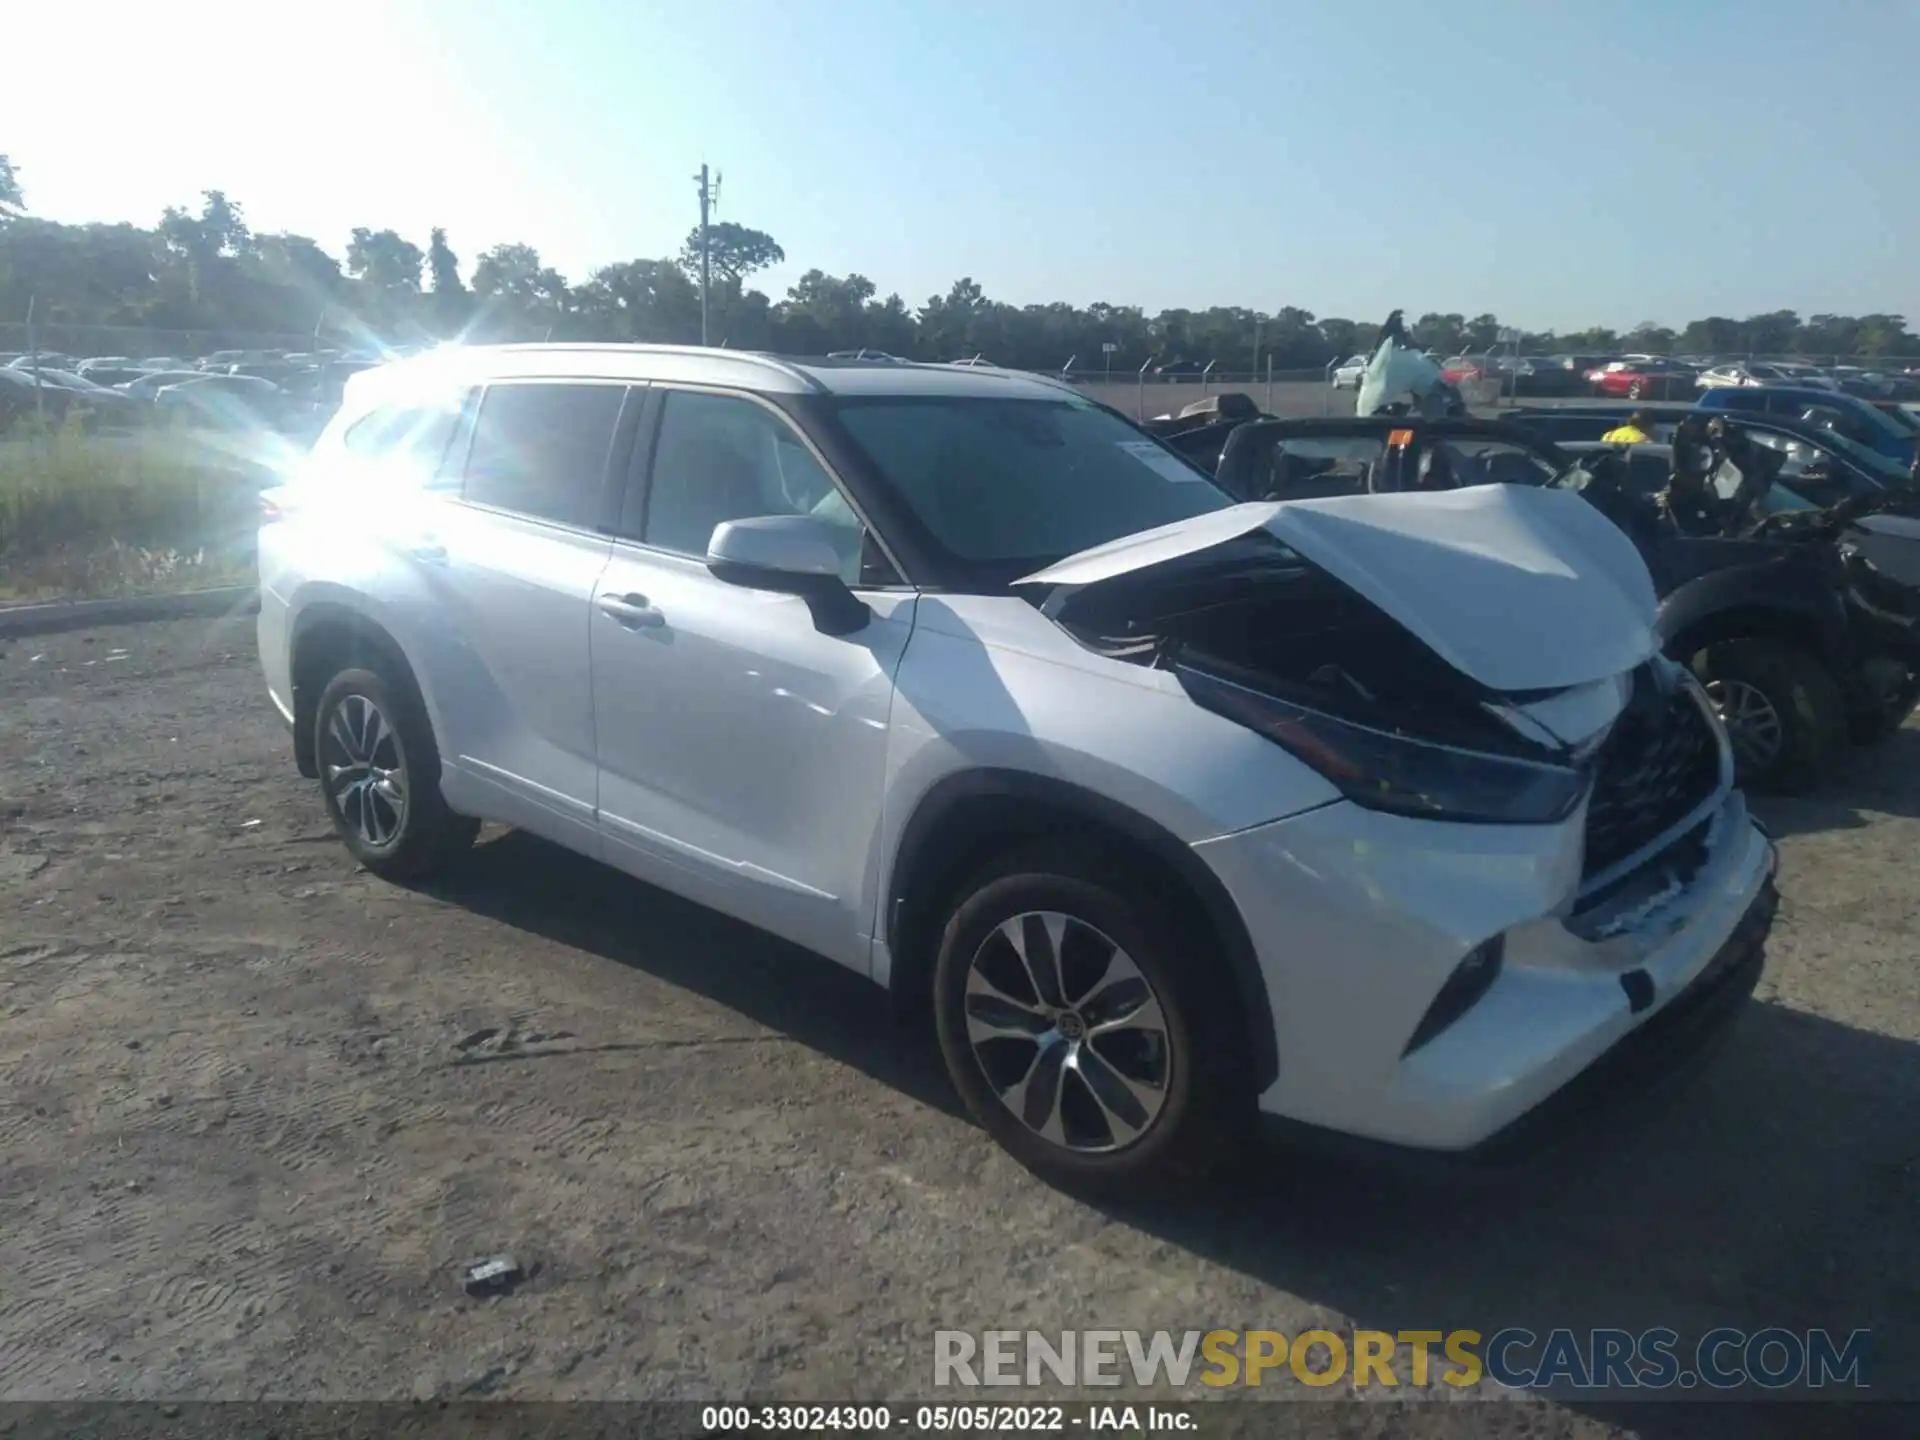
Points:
[[746, 369]]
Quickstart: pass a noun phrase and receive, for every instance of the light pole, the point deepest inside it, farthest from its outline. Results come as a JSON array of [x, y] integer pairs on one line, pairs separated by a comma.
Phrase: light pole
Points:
[[709, 197]]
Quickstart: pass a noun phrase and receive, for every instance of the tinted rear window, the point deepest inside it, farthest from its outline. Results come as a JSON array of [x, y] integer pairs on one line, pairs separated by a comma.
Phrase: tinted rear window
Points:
[[541, 450]]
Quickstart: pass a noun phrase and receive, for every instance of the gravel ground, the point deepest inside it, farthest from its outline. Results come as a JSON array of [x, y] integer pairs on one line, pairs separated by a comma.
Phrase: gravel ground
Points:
[[256, 1108]]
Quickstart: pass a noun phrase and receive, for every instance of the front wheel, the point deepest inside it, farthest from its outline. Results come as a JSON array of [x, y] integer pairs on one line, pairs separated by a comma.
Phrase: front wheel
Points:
[[1077, 1025], [1785, 715], [1636, 390], [380, 776], [1876, 726]]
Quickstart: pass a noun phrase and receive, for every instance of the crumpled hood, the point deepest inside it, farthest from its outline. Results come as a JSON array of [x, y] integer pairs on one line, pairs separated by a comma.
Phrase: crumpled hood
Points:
[[1517, 588]]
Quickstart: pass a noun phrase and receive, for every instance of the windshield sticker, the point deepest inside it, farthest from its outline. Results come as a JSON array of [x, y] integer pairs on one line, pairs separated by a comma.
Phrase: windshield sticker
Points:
[[1167, 467]]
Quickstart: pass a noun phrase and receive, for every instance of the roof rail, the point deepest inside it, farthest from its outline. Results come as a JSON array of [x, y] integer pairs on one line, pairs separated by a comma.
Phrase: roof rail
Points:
[[771, 361]]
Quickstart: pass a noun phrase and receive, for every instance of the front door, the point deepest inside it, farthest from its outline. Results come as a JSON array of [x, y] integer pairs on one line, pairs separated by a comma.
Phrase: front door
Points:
[[742, 753]]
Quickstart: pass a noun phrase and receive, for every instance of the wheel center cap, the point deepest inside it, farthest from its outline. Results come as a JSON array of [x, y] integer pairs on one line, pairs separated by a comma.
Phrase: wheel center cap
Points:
[[1071, 1026]]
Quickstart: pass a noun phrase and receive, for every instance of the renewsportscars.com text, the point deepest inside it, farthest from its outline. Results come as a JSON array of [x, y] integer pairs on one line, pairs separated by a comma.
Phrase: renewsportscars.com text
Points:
[[1602, 1359]]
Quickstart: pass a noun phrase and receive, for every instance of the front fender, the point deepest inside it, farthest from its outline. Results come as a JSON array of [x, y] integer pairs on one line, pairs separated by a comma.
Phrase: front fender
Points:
[[1746, 599]]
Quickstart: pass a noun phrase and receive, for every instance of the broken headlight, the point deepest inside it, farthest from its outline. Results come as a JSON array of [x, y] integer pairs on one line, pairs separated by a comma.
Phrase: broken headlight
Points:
[[1398, 773]]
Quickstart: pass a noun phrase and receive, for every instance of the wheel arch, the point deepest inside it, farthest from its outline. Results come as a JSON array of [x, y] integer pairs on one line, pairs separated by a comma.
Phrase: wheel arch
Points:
[[327, 637], [968, 816], [1706, 626]]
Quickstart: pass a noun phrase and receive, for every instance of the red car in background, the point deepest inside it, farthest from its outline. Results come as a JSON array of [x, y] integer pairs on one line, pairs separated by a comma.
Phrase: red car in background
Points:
[[1642, 380], [1460, 368]]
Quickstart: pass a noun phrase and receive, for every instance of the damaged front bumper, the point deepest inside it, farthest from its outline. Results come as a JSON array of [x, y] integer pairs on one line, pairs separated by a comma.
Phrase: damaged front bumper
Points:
[[1359, 919]]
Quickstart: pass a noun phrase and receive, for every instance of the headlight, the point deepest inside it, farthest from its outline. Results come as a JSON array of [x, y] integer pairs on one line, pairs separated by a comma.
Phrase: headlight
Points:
[[1398, 773]]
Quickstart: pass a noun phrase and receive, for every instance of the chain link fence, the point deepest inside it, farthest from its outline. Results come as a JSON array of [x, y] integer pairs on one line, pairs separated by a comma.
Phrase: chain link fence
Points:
[[83, 342]]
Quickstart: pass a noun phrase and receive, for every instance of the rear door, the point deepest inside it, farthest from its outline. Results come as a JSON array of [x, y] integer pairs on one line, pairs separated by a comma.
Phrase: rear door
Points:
[[513, 564], [742, 753]]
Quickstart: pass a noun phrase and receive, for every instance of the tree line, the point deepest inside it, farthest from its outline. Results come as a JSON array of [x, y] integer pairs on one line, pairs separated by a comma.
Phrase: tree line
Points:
[[204, 269]]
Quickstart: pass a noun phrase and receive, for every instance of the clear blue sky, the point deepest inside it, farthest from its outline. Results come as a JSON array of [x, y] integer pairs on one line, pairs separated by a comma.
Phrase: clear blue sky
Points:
[[1556, 163]]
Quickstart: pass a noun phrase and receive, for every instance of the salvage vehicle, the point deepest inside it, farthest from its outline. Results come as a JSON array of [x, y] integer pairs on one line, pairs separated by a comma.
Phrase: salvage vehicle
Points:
[[1806, 635], [1859, 420], [1815, 447], [1381, 815]]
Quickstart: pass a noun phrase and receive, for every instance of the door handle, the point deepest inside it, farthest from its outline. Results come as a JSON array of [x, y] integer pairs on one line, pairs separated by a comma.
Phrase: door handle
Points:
[[632, 611], [430, 552]]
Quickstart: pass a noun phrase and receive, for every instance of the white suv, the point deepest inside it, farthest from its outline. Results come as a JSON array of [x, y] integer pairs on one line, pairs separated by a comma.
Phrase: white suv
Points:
[[1379, 814]]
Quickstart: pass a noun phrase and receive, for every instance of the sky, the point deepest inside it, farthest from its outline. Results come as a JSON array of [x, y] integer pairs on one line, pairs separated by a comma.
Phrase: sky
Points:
[[1557, 164]]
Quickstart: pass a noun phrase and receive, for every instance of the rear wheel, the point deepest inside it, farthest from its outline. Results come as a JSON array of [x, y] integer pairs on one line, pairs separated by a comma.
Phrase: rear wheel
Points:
[[1636, 390], [1077, 1025], [380, 776], [1785, 715]]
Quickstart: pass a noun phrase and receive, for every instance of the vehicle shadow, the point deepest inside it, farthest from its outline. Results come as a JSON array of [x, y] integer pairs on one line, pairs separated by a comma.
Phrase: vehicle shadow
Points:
[[523, 881], [1778, 1187], [1881, 779]]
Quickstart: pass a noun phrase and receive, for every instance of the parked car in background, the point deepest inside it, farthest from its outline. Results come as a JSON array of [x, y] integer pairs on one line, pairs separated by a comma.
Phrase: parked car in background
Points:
[[59, 396], [1641, 379], [1823, 465], [164, 362], [44, 360], [323, 386], [111, 375], [1867, 384], [1543, 375], [812, 645], [21, 399], [1760, 372], [146, 386], [1860, 421], [1466, 369], [1579, 365], [238, 402], [1349, 372]]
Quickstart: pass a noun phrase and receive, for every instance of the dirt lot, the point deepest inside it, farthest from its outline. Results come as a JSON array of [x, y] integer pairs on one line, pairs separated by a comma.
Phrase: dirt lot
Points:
[[256, 1108]]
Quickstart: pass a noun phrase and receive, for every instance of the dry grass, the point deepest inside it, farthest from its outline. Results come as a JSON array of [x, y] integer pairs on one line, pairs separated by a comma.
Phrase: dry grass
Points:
[[87, 515]]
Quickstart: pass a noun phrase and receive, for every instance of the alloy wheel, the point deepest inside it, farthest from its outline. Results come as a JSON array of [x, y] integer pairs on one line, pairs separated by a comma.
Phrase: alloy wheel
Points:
[[364, 771], [1753, 726], [1068, 1032]]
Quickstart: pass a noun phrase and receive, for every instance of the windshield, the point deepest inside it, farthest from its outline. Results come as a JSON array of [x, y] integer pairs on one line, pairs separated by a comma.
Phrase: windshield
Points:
[[1887, 472], [1904, 418], [1004, 487]]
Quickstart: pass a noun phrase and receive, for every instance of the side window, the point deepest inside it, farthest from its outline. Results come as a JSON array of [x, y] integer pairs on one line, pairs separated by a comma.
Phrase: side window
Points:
[[719, 458], [1483, 462], [541, 450], [407, 440], [1313, 468]]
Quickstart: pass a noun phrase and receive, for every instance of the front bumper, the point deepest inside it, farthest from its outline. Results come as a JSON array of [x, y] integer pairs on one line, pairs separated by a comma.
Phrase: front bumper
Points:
[[1359, 917]]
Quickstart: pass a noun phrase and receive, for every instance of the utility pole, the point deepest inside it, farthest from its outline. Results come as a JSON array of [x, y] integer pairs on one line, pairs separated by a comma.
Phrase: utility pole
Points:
[[709, 198]]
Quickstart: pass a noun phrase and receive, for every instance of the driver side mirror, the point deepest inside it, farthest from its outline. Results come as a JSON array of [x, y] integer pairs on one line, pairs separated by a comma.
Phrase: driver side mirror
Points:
[[789, 555]]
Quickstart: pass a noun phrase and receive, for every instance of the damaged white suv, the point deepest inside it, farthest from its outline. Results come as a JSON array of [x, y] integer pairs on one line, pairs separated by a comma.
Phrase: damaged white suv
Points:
[[1382, 814]]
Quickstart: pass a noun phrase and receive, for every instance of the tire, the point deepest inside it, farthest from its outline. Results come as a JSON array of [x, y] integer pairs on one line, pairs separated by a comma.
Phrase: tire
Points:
[[371, 724], [1806, 703], [1636, 390], [1878, 727], [1184, 1055]]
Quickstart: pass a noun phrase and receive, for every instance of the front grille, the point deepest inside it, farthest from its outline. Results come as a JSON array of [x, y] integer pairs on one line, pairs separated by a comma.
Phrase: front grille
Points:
[[1660, 762]]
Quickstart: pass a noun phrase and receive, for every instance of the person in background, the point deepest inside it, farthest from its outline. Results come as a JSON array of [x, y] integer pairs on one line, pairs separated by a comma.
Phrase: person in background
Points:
[[1637, 431]]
